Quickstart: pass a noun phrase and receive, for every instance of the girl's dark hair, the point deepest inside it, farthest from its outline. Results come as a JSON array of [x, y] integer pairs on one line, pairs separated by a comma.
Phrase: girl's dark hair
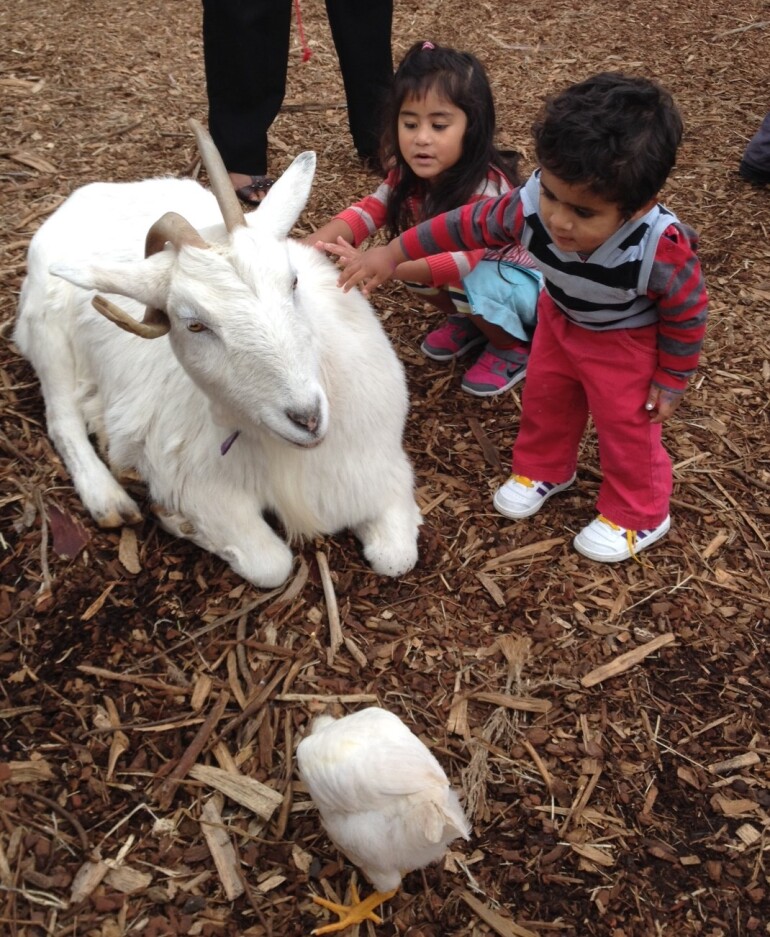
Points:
[[460, 78], [614, 133]]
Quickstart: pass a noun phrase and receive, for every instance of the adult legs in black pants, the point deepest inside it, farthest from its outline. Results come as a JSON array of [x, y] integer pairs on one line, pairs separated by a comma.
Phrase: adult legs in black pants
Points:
[[246, 53], [361, 32]]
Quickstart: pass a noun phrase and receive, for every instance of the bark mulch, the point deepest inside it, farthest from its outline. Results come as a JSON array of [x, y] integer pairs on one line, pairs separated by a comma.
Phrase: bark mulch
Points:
[[608, 726]]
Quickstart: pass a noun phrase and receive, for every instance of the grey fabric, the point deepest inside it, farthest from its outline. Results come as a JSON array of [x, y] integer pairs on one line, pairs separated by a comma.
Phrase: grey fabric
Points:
[[757, 153]]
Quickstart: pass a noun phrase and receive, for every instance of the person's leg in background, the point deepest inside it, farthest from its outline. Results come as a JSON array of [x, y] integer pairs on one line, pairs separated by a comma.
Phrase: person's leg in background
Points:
[[755, 164], [246, 53], [361, 30]]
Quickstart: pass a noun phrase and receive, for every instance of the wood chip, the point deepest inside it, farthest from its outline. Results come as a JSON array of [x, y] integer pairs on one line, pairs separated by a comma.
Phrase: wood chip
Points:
[[489, 450], [22, 85], [28, 772], [626, 661], [221, 848], [748, 834], [499, 924], [167, 789], [33, 161], [332, 610], [271, 882], [88, 877], [128, 551], [201, 690], [717, 541], [457, 723], [95, 607], [734, 807], [493, 589], [325, 698], [150, 682], [746, 760], [594, 854], [119, 742], [522, 554], [250, 793], [521, 703], [127, 880], [690, 860]]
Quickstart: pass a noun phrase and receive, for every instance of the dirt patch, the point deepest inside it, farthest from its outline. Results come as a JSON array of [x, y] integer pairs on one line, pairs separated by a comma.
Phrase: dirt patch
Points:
[[636, 805]]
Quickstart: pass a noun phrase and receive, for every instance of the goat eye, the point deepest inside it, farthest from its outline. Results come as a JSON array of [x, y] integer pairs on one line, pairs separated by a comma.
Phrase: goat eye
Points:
[[196, 327], [294, 283]]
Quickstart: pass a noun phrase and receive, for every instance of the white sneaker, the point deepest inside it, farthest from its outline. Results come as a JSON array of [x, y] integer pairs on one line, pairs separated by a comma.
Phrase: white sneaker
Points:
[[522, 497], [606, 542]]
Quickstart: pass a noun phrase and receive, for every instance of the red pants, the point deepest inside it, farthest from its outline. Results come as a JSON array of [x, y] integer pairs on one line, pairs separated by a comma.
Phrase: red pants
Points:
[[573, 372]]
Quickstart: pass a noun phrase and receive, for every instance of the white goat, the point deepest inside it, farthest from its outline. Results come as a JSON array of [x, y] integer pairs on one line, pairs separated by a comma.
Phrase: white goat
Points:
[[261, 344]]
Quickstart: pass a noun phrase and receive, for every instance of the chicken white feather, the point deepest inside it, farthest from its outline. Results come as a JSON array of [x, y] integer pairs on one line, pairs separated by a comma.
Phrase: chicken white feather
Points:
[[384, 799]]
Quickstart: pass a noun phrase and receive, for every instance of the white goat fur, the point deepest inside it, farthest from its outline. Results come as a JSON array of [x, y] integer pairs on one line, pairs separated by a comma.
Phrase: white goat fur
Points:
[[262, 342]]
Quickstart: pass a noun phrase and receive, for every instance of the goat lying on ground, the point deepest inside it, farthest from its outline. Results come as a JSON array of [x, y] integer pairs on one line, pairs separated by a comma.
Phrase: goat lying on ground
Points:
[[265, 389]]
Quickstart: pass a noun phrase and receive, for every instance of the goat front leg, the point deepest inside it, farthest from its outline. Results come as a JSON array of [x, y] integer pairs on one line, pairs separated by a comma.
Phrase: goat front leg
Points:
[[240, 536], [101, 493], [390, 539]]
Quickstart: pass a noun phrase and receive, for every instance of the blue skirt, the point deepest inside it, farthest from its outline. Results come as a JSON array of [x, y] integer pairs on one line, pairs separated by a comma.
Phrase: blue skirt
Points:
[[505, 294]]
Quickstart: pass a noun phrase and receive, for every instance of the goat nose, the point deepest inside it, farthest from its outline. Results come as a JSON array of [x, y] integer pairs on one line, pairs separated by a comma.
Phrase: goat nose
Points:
[[307, 421]]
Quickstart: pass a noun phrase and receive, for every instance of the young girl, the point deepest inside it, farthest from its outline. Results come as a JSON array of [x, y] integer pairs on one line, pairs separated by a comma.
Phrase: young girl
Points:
[[438, 142]]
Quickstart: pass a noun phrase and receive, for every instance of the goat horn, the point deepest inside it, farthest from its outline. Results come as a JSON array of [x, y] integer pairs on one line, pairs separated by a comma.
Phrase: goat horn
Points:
[[220, 182], [178, 231], [174, 228], [154, 324]]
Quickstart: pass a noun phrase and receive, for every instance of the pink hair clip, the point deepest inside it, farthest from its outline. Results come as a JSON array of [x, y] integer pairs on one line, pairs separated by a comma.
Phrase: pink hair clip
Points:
[[427, 45]]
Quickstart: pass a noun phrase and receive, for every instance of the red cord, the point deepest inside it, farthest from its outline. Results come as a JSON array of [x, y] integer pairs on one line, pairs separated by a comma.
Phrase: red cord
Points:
[[306, 50]]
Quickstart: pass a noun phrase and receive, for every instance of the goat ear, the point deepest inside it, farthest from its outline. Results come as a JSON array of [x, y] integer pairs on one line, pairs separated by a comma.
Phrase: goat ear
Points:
[[279, 209], [146, 281]]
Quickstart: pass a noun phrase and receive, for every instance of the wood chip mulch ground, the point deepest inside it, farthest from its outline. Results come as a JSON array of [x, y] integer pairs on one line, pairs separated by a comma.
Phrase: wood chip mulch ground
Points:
[[608, 726]]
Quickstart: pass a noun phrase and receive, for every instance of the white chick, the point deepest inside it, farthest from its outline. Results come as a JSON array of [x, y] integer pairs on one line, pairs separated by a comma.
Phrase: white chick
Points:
[[384, 801]]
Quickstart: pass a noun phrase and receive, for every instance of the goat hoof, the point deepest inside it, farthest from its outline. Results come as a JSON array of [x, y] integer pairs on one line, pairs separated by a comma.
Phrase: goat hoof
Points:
[[176, 524], [128, 476], [117, 517], [107, 503]]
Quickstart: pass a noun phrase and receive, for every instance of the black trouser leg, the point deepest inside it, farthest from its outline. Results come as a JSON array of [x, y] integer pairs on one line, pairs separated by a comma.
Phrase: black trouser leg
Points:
[[361, 30], [246, 54]]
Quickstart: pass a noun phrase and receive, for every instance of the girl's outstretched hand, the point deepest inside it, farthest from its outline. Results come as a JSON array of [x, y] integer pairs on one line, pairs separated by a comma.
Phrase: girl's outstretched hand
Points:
[[661, 403], [344, 251], [369, 269]]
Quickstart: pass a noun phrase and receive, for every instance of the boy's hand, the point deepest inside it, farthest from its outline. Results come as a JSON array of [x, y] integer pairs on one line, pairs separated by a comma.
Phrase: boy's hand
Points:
[[372, 268], [661, 403]]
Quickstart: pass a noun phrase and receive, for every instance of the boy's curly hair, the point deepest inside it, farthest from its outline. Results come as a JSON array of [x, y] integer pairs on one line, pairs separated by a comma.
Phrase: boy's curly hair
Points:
[[617, 134]]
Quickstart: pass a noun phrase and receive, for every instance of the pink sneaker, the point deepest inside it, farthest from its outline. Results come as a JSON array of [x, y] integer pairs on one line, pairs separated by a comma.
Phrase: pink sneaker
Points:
[[496, 370], [456, 336]]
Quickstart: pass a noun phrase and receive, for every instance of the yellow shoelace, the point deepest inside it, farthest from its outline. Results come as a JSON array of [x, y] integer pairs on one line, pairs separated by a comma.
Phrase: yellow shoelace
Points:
[[523, 480], [630, 538]]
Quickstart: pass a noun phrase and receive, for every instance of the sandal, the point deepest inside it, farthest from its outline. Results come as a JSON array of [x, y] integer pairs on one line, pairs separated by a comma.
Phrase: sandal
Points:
[[258, 184]]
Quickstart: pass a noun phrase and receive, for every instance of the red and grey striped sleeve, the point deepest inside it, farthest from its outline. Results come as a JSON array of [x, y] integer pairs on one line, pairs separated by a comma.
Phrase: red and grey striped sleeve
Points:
[[368, 215], [679, 291], [491, 222]]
